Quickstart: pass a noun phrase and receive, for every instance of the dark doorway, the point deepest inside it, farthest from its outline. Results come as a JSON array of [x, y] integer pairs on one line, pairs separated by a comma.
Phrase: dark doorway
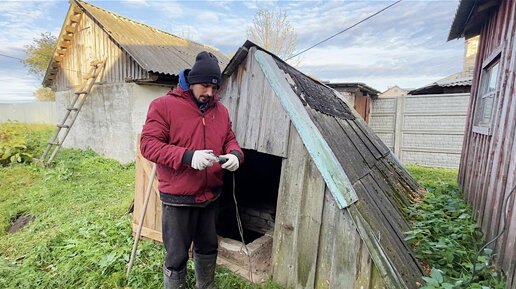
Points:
[[256, 191]]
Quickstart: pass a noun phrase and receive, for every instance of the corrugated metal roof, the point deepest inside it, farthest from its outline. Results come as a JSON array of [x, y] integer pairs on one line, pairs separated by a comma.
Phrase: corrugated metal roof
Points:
[[354, 86], [461, 18], [468, 18], [465, 81], [155, 50], [453, 80]]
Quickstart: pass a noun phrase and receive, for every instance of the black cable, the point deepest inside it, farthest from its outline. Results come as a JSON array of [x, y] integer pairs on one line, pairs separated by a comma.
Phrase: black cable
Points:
[[10, 57], [494, 239], [342, 31], [241, 231]]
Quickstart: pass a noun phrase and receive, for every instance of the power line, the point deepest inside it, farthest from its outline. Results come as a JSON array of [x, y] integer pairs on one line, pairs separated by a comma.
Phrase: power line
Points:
[[10, 57], [72, 70], [342, 31]]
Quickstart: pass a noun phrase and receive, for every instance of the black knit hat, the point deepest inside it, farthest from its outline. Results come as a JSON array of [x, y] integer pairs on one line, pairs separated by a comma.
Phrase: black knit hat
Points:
[[205, 70]]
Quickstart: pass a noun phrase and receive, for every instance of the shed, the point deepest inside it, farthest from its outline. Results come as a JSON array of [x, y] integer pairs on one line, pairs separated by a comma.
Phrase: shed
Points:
[[320, 196], [359, 94], [487, 173], [394, 91], [142, 64]]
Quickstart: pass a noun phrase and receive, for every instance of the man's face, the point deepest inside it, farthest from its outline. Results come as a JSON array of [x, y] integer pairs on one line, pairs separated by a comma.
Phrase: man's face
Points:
[[203, 92]]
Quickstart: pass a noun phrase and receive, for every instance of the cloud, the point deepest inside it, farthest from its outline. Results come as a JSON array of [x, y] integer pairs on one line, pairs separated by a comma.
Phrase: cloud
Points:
[[404, 45], [137, 3], [17, 85]]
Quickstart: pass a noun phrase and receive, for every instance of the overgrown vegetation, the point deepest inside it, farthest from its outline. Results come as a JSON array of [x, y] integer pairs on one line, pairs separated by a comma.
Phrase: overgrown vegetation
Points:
[[445, 236], [81, 235], [20, 142]]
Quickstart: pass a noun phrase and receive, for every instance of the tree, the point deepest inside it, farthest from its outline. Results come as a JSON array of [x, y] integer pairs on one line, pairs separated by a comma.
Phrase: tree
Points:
[[38, 53], [45, 94], [273, 31]]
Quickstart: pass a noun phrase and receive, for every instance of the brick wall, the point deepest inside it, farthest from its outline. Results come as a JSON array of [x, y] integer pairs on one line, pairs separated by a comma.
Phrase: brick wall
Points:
[[422, 129]]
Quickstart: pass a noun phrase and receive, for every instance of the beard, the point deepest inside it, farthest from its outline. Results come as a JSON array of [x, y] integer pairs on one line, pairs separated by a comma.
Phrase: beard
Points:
[[204, 98]]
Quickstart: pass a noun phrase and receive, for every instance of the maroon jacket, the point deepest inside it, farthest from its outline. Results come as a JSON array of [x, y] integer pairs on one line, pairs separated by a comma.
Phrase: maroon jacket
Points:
[[174, 125]]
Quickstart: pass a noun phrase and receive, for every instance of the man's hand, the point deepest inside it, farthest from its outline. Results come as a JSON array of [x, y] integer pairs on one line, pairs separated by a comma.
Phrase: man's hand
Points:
[[232, 164], [202, 159]]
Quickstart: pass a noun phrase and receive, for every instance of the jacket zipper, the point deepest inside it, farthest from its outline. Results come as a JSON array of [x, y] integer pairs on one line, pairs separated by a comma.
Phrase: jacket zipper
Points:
[[204, 139]]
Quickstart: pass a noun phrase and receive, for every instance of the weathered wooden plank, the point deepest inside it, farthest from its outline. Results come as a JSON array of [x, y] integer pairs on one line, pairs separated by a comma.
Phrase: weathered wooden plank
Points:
[[243, 100], [346, 249], [364, 267], [376, 279], [391, 186], [309, 224], [388, 270], [388, 236], [402, 175], [148, 233], [229, 98], [346, 153], [362, 148], [393, 214], [326, 242], [369, 133], [275, 125], [255, 100], [286, 228], [365, 139], [327, 163]]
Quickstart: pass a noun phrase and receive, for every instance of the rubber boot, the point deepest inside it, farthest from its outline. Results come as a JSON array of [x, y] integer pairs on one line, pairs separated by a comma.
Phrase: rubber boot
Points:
[[174, 279], [205, 270]]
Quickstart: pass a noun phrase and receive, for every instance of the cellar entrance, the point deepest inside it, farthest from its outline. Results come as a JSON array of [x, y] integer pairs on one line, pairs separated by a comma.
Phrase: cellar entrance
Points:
[[256, 192]]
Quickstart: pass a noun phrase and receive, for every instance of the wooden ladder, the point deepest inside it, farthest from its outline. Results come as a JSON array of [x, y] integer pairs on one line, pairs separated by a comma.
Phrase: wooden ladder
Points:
[[97, 68]]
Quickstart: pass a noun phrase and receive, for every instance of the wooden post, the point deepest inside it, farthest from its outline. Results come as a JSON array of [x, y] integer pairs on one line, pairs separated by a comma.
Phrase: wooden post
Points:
[[398, 127], [142, 217]]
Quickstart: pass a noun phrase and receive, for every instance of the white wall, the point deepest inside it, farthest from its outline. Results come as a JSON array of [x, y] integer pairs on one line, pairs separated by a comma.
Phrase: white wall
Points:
[[29, 112], [422, 129], [111, 118]]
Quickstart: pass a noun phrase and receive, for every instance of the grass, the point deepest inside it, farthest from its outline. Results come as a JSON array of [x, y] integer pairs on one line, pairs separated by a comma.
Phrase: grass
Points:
[[81, 236]]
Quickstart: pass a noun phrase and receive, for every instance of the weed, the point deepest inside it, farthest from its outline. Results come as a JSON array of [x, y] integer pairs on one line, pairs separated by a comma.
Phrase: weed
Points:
[[445, 235], [20, 142]]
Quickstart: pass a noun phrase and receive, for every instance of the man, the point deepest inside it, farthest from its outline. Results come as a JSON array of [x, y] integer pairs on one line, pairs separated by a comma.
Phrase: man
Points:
[[184, 133]]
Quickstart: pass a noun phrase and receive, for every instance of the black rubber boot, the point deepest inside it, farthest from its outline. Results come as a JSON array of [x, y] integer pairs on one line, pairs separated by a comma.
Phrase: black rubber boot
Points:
[[205, 270], [174, 279]]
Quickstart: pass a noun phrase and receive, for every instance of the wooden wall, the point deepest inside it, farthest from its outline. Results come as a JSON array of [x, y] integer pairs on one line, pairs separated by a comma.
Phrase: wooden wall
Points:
[[259, 121], [316, 245], [92, 43], [152, 222], [487, 172]]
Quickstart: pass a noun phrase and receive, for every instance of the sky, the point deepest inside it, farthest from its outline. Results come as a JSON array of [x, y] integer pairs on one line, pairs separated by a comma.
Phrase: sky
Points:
[[405, 45]]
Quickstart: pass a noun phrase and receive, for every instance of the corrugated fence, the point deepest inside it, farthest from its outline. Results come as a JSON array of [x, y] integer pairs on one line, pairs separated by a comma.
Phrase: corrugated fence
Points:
[[29, 112], [422, 129]]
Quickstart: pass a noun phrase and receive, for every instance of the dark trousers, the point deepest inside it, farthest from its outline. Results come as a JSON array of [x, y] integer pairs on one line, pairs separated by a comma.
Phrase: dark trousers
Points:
[[181, 226]]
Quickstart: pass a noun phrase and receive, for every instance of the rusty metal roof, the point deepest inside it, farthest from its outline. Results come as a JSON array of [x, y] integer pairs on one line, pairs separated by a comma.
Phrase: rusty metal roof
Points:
[[153, 49]]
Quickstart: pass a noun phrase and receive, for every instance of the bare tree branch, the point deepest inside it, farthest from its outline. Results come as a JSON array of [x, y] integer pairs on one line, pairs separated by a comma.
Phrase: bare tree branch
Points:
[[273, 31]]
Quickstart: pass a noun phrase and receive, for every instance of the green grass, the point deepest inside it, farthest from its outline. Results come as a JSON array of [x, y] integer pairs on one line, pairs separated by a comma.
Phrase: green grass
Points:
[[81, 236]]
